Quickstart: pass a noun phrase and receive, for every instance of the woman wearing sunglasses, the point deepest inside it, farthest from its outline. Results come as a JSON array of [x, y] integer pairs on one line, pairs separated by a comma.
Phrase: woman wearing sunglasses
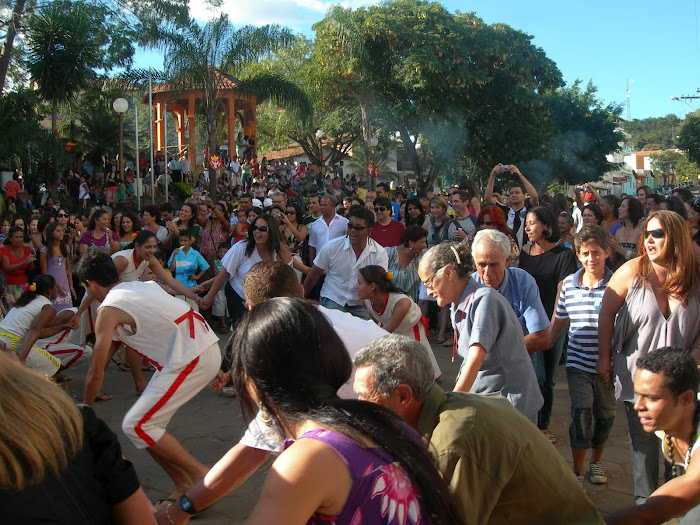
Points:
[[652, 301], [264, 243]]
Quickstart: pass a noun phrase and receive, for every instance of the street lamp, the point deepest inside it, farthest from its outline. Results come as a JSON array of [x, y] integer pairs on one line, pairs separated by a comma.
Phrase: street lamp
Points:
[[120, 105], [319, 136], [683, 99]]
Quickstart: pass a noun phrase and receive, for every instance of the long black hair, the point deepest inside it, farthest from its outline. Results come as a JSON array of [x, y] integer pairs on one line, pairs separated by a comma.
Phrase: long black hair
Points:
[[296, 362], [415, 202], [274, 240], [42, 284], [49, 242]]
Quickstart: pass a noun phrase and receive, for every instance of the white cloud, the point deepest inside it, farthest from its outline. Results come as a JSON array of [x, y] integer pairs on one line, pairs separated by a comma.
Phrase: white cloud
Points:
[[297, 14]]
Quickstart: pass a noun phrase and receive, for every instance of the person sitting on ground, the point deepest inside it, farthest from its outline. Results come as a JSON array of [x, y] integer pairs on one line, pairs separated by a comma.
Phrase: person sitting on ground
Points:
[[60, 463], [666, 385], [526, 482]]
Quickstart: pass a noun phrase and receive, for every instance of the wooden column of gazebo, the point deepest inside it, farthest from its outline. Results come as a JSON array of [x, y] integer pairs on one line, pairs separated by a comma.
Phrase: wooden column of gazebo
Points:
[[182, 105]]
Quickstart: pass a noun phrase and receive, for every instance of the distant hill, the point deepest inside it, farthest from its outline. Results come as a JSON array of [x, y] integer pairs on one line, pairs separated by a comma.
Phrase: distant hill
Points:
[[653, 133]]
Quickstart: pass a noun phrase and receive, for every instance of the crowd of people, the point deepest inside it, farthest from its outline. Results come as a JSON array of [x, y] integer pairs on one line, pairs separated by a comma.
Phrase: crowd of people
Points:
[[325, 291]]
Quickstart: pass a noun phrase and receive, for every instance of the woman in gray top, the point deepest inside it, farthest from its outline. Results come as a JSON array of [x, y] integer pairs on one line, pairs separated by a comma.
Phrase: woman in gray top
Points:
[[652, 301]]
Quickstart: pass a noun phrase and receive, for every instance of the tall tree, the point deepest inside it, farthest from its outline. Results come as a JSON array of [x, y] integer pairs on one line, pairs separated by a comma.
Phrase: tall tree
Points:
[[689, 138], [582, 132], [64, 50], [196, 56]]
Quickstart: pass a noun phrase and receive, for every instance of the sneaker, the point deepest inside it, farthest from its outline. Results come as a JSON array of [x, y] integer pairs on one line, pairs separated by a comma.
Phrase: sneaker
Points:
[[580, 478], [597, 474]]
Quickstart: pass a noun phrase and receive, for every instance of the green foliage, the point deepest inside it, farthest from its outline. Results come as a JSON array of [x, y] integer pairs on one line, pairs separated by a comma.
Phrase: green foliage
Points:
[[660, 132], [47, 152], [182, 190], [689, 138], [665, 161], [687, 170], [582, 132], [18, 114], [450, 85]]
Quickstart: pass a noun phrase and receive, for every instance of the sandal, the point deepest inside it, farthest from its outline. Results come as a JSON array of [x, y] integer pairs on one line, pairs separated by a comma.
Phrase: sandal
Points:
[[102, 397], [124, 367], [551, 437], [61, 378]]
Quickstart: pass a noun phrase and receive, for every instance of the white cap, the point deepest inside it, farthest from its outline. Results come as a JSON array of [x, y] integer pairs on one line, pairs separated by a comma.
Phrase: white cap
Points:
[[267, 203], [257, 203]]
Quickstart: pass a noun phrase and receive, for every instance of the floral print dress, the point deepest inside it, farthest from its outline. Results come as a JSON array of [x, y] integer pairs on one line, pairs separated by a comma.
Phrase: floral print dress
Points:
[[381, 493]]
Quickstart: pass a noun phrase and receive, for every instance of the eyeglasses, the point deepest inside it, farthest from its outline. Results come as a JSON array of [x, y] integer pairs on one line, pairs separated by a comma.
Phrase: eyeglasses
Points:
[[262, 229], [357, 227], [656, 234], [380, 208], [62, 215], [290, 212], [428, 283], [487, 223]]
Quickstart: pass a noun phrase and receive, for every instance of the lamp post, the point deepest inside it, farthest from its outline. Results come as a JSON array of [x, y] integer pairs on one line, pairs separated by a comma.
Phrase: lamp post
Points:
[[319, 136], [685, 99], [120, 105]]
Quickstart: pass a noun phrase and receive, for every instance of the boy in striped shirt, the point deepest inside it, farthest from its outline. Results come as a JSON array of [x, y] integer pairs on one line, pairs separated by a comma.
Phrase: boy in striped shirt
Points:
[[592, 402]]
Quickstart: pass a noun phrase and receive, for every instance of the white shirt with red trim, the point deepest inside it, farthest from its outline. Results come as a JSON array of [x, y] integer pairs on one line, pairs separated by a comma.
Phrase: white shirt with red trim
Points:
[[132, 272], [169, 333]]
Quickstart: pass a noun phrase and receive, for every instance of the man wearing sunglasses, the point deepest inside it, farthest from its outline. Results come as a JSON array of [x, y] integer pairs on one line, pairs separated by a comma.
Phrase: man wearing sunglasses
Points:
[[386, 231], [342, 258]]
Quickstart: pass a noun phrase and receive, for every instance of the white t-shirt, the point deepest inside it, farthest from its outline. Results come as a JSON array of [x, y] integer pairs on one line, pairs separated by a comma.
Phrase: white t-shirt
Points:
[[237, 264], [355, 334]]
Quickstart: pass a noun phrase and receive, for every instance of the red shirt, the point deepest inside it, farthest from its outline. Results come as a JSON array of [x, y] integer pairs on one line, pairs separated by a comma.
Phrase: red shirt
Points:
[[11, 189], [18, 275], [389, 235]]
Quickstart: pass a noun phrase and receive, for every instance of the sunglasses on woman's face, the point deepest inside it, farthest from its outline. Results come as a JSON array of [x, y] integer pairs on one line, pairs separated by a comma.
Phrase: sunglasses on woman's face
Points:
[[61, 215], [656, 234], [262, 229], [290, 212]]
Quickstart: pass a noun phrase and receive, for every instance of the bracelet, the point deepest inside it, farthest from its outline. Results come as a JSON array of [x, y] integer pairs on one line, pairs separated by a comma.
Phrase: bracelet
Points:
[[167, 515]]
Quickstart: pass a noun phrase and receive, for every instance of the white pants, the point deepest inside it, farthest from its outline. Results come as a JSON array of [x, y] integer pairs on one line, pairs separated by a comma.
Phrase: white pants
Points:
[[62, 348], [144, 424]]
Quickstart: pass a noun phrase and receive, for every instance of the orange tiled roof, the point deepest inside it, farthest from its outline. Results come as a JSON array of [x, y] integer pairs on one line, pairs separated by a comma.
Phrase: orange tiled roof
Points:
[[224, 82]]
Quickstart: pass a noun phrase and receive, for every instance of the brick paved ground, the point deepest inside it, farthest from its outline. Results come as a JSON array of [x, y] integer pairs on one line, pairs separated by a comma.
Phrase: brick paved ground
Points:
[[210, 424]]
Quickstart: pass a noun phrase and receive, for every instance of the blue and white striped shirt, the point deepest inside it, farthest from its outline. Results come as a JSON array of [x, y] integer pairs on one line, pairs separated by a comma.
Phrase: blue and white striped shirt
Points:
[[581, 306]]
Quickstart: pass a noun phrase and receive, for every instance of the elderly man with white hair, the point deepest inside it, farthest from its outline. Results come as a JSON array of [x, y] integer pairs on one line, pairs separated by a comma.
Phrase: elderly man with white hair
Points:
[[491, 253]]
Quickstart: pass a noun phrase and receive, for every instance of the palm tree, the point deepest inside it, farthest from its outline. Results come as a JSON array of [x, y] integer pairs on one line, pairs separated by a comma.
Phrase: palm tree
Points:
[[195, 55], [63, 50]]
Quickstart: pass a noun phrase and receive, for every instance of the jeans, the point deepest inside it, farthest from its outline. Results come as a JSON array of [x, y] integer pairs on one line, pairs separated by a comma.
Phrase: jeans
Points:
[[644, 456], [357, 310], [592, 409], [550, 358]]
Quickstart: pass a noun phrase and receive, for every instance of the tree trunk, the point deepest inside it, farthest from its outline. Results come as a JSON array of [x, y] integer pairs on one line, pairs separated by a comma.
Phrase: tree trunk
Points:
[[212, 128], [12, 28], [54, 118]]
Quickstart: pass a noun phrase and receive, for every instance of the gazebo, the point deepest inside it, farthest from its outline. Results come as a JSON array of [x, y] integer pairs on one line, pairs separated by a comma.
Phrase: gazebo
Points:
[[182, 103]]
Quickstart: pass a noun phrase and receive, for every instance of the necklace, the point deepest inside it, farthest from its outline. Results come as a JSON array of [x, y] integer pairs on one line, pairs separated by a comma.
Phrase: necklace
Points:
[[676, 469]]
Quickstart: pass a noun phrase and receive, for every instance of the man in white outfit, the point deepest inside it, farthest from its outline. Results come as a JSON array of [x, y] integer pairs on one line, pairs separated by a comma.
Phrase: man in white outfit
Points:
[[264, 281], [169, 334]]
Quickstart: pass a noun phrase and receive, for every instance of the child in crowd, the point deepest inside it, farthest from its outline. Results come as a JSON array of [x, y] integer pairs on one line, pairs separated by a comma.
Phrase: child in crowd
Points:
[[218, 309], [241, 229], [592, 401], [187, 264]]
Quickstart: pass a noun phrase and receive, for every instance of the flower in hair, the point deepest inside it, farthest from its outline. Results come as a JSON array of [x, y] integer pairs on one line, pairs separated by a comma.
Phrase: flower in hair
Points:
[[389, 276], [134, 235], [32, 287]]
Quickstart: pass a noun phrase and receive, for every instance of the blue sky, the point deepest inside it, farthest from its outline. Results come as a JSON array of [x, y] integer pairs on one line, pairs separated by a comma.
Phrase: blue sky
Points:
[[654, 45]]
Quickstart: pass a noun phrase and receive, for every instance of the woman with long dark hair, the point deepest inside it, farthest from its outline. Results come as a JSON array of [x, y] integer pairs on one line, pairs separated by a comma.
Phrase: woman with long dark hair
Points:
[[187, 221], [214, 220], [392, 309], [624, 244], [549, 264], [128, 226], [351, 461], [264, 243], [54, 261], [99, 236], [413, 214]]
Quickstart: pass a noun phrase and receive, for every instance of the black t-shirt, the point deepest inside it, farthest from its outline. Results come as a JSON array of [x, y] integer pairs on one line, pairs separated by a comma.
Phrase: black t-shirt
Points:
[[83, 494], [549, 269]]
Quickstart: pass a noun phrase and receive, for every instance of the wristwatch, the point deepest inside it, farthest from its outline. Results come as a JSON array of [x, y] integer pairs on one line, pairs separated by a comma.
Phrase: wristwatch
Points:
[[187, 506]]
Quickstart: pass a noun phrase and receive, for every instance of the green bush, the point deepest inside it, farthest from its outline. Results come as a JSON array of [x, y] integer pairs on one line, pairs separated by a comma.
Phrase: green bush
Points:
[[183, 190]]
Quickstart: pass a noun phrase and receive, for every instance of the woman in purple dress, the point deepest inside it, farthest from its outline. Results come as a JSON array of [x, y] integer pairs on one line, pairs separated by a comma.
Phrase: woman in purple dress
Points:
[[55, 262], [347, 462]]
